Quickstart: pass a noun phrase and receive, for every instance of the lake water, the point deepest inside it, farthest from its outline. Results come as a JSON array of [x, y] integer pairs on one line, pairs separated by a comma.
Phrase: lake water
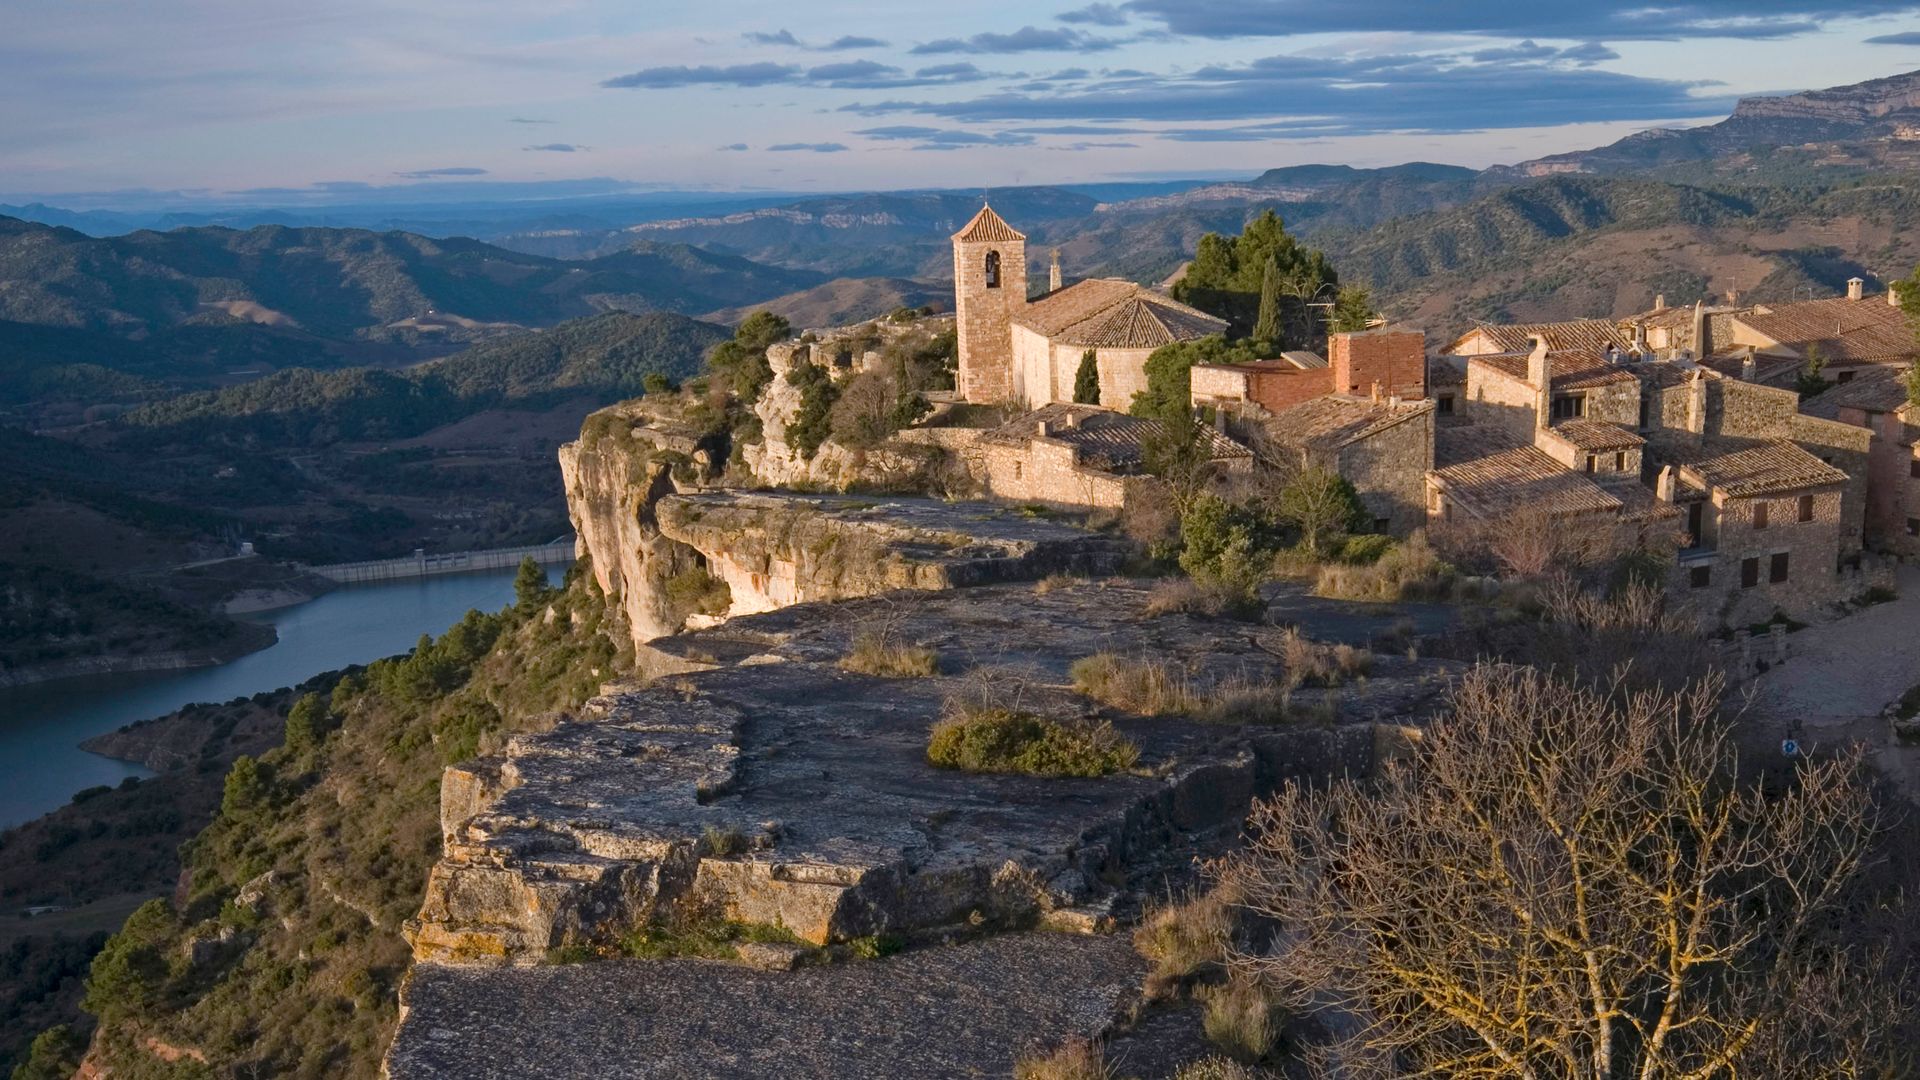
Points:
[[42, 765]]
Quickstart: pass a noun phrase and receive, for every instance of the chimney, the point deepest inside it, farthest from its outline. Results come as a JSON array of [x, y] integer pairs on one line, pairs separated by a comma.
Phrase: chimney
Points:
[[1660, 302], [1733, 296], [1856, 288], [1748, 368], [1663, 487], [1893, 295], [1538, 374], [1069, 419], [1702, 335], [1053, 273], [1376, 391], [1044, 430], [1697, 402]]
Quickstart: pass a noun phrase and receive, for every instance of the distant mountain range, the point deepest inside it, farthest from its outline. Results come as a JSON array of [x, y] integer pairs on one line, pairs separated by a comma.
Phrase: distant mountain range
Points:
[[1788, 192]]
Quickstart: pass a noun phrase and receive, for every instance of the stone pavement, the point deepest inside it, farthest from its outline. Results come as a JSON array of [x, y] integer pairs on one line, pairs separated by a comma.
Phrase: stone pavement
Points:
[[1838, 678]]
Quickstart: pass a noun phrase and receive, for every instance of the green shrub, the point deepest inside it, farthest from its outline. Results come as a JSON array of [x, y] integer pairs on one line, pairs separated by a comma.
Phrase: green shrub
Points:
[[1241, 1020], [1364, 550], [54, 1055], [698, 592], [1005, 741], [1408, 571]]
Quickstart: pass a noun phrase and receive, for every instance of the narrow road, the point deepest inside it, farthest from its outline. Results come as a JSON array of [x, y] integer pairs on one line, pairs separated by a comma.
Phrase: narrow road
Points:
[[1840, 675]]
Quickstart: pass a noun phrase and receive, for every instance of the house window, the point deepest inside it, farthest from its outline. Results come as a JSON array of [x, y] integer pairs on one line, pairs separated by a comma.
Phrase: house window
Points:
[[1759, 515], [1620, 461], [1444, 406], [1913, 526], [1777, 567], [1913, 468], [1016, 470], [1695, 515], [1589, 462], [1646, 412], [993, 269], [1700, 577], [1749, 573], [1569, 406], [1380, 524], [1806, 508], [1845, 376]]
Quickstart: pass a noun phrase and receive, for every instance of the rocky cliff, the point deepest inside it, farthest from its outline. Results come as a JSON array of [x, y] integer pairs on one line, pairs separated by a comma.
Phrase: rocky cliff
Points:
[[675, 552]]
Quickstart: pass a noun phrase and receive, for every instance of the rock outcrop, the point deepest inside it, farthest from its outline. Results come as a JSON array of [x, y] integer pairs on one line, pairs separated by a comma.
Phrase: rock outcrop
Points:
[[771, 786], [659, 536]]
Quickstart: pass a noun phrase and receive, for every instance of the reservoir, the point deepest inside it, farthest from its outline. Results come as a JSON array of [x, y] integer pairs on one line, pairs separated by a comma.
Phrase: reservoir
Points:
[[41, 764]]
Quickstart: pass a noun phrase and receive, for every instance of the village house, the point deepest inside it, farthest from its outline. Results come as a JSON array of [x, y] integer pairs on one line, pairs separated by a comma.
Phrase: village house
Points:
[[1027, 352], [1877, 402], [1765, 505], [1382, 446], [1079, 456], [1386, 359]]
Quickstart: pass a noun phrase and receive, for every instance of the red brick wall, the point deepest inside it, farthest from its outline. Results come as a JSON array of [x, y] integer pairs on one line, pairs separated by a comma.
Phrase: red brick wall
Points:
[[1396, 359], [1276, 390]]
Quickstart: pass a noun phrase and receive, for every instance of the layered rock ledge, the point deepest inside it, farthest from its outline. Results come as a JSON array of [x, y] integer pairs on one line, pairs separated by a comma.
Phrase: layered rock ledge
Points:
[[768, 785]]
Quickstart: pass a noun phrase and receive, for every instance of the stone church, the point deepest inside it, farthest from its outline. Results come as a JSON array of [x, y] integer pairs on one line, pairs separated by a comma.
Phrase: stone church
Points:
[[1027, 351]]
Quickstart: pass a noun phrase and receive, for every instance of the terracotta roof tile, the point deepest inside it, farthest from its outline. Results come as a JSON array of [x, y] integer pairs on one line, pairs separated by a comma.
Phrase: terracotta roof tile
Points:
[[1592, 335], [1522, 478], [1746, 469], [1570, 369], [1112, 313], [1337, 420], [988, 227], [1105, 439], [1597, 435], [1849, 331]]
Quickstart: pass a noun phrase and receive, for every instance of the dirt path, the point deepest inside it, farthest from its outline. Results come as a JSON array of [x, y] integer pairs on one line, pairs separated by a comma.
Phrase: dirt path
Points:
[[1840, 676]]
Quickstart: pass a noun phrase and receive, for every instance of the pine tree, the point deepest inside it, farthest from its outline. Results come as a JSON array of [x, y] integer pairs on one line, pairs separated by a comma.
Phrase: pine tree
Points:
[[1266, 328], [1086, 381], [1352, 309], [530, 586]]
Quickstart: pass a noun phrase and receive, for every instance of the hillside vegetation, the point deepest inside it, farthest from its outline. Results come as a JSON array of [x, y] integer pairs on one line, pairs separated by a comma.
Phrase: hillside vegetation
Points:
[[286, 956]]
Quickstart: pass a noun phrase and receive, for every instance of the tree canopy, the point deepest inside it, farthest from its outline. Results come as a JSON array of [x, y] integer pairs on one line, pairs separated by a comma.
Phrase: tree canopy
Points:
[[1227, 274]]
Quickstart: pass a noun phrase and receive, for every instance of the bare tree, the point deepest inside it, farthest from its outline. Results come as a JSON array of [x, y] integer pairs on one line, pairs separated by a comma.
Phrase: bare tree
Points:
[[1321, 504], [1566, 882]]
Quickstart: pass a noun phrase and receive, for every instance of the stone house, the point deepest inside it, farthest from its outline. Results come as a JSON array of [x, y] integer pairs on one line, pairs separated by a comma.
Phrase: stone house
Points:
[[1383, 447], [1077, 456], [1388, 360], [1876, 402], [1852, 333], [1581, 437], [1023, 351]]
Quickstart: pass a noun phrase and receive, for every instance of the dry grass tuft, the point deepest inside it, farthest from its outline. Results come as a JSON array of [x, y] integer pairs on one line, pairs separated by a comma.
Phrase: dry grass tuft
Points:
[[1189, 597], [872, 654], [1135, 684], [1186, 939], [1004, 741], [1312, 663], [1075, 1059], [1241, 1020], [1215, 1068], [1412, 570], [1056, 582]]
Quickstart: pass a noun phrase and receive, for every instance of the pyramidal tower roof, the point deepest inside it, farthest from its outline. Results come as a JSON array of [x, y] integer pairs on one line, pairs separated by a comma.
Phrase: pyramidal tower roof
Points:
[[987, 226]]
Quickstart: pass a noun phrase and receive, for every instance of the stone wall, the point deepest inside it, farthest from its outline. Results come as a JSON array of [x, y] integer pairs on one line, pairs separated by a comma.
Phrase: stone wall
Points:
[[1732, 546], [1045, 471], [1389, 471]]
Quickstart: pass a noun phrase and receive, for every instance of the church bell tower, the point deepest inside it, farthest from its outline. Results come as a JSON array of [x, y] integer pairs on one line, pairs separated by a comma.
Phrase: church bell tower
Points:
[[989, 289]]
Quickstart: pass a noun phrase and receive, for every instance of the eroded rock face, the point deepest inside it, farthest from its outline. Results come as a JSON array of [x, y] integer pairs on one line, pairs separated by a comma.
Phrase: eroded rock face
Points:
[[637, 491], [767, 785]]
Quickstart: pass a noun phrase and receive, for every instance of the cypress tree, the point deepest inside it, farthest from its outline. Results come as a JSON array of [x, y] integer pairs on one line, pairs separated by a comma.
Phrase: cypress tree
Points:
[[1266, 328], [1086, 381]]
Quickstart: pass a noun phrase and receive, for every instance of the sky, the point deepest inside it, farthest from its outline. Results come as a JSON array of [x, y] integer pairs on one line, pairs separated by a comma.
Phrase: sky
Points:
[[282, 100]]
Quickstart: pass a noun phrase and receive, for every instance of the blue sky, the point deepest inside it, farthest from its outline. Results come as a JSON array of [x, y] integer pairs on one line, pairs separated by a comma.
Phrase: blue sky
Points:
[[214, 97]]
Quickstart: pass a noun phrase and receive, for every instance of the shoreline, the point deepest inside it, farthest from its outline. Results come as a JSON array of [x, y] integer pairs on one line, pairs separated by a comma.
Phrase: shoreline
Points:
[[250, 638]]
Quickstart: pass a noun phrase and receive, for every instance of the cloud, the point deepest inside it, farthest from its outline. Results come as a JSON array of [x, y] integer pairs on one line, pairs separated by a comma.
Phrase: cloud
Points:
[[660, 78], [1526, 50], [932, 138], [734, 148], [853, 41], [1590, 53], [855, 69], [1910, 37], [427, 174], [1594, 20], [1025, 39], [527, 120], [783, 37], [813, 148], [1290, 96], [559, 148], [1095, 15]]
